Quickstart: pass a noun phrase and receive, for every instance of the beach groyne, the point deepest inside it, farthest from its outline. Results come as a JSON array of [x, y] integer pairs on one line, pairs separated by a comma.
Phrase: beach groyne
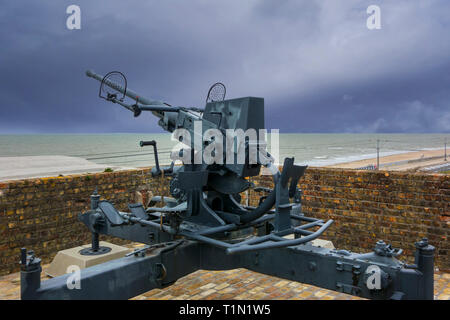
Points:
[[400, 208]]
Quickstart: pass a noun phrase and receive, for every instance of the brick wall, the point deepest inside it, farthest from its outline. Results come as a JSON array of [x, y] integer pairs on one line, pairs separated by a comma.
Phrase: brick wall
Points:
[[41, 214], [366, 206]]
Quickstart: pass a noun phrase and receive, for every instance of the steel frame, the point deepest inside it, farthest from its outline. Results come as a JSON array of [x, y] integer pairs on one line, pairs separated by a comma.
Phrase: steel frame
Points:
[[171, 255], [159, 266]]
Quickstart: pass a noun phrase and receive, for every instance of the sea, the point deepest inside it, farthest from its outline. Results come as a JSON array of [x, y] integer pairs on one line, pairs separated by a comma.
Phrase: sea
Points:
[[123, 150]]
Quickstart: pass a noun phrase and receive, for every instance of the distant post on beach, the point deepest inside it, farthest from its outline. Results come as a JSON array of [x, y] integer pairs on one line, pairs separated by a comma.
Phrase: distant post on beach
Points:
[[378, 154], [445, 150]]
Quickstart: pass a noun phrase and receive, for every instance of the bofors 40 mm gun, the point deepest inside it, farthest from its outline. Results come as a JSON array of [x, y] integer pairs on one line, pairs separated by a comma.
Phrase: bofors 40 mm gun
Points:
[[205, 226]]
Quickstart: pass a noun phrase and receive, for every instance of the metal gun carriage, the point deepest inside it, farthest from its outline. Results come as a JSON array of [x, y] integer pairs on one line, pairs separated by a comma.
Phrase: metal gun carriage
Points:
[[205, 226]]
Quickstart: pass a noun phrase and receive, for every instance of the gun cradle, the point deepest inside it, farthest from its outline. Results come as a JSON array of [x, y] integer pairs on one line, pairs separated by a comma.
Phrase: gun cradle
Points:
[[204, 226]]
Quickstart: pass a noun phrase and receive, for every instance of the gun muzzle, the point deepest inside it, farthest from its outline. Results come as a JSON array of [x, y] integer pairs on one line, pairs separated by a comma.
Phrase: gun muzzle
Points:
[[129, 93], [167, 115]]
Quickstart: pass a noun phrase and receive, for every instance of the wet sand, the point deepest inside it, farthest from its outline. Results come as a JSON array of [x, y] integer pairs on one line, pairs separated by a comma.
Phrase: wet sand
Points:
[[13, 168], [406, 161]]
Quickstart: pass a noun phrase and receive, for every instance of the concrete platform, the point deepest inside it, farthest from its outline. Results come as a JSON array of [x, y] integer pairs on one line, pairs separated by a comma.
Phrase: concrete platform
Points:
[[323, 243], [13, 168], [72, 257]]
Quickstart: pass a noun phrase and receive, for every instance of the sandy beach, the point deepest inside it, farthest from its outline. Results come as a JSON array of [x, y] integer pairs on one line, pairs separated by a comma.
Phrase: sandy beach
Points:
[[405, 161]]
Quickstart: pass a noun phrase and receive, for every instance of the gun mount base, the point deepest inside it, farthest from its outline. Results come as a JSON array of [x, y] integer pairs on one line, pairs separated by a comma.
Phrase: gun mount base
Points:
[[161, 265], [91, 252]]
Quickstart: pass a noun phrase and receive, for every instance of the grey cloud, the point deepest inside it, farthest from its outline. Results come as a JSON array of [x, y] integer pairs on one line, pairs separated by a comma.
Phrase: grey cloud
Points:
[[415, 115], [306, 58]]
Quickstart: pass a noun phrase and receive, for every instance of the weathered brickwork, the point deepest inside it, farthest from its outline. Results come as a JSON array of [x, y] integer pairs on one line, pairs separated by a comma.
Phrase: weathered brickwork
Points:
[[42, 214], [366, 206], [398, 207]]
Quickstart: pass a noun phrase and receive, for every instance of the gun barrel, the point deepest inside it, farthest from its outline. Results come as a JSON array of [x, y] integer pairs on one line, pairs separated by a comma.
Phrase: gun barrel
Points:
[[129, 93]]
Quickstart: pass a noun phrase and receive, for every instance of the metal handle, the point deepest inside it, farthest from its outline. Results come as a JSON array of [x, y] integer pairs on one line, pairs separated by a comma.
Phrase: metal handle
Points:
[[147, 143], [155, 151]]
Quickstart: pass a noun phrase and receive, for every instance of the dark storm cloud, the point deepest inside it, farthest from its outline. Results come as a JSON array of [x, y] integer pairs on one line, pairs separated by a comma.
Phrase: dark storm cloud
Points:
[[316, 64]]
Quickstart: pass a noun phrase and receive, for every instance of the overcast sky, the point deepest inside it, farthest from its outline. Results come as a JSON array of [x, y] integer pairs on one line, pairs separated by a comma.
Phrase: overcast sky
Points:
[[316, 64]]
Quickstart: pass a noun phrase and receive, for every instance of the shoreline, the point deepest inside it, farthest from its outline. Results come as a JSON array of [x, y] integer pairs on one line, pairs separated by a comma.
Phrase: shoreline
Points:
[[23, 167], [411, 161]]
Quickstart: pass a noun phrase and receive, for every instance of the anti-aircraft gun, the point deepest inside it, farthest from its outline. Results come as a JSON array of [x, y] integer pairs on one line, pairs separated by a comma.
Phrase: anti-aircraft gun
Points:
[[203, 225]]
